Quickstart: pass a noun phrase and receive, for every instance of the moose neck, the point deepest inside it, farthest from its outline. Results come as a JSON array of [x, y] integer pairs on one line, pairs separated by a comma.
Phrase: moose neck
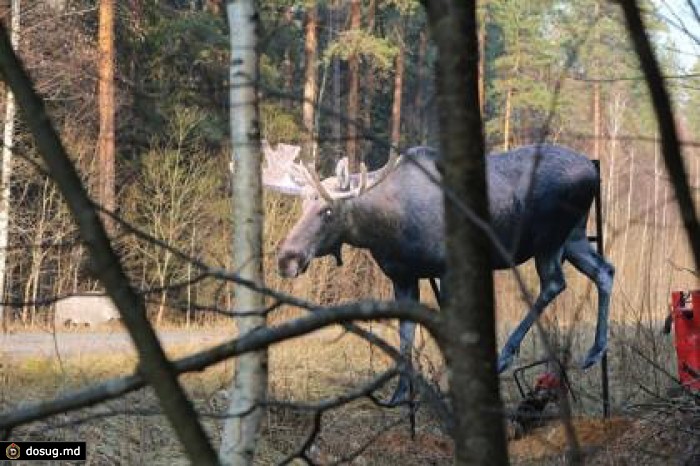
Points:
[[370, 220]]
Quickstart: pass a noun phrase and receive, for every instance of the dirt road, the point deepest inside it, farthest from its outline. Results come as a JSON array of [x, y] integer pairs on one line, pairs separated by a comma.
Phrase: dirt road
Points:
[[24, 344]]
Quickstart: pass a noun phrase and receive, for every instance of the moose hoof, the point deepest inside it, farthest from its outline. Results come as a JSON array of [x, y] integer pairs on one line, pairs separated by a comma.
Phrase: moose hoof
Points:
[[594, 356], [505, 359], [401, 394]]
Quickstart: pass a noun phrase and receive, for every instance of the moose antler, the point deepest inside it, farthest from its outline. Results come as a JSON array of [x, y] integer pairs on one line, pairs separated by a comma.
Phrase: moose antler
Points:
[[283, 173], [383, 172], [277, 169]]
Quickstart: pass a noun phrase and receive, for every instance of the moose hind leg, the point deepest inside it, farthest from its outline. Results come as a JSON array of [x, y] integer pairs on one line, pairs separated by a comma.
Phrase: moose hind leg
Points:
[[551, 284], [407, 331], [586, 260]]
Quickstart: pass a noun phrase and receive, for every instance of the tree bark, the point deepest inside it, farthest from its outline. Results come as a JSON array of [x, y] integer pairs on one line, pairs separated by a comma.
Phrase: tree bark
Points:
[[308, 108], [6, 180], [398, 88], [353, 91], [506, 120], [419, 103], [249, 386], [106, 109], [370, 82], [596, 121], [471, 347]]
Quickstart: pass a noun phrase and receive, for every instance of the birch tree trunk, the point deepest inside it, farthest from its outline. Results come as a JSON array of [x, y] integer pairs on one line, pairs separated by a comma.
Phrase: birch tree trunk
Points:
[[470, 351], [249, 386], [105, 103], [6, 179]]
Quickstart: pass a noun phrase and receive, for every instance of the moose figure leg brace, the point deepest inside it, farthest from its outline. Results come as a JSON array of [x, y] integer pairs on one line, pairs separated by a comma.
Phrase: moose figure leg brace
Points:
[[405, 291]]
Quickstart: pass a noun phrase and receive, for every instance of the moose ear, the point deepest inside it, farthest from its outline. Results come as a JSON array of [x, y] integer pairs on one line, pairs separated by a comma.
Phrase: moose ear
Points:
[[342, 174]]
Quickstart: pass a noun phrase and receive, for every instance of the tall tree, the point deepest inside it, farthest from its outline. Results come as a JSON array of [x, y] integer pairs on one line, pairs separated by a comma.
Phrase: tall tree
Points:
[[310, 78], [470, 320], [353, 89], [370, 81], [8, 137], [525, 54], [419, 110], [106, 106], [249, 386], [398, 88]]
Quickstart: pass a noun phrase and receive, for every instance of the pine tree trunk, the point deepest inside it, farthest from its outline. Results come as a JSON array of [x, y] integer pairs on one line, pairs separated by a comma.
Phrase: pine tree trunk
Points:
[[353, 92], [288, 70], [369, 83], [248, 389], [106, 109], [310, 80], [337, 125], [6, 180], [418, 105], [398, 88], [628, 220], [506, 120], [596, 121]]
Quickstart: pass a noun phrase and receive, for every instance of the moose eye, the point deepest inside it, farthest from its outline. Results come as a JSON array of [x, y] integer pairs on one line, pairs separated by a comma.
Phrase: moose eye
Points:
[[327, 213]]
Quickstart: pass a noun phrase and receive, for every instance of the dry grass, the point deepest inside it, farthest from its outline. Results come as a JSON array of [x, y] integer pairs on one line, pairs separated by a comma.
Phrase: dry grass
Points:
[[132, 430]]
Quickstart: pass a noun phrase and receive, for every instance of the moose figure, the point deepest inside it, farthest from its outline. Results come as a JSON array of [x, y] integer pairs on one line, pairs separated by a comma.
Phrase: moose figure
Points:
[[539, 198]]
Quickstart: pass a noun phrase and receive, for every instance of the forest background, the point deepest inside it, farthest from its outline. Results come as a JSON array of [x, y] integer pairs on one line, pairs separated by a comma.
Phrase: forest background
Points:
[[561, 72]]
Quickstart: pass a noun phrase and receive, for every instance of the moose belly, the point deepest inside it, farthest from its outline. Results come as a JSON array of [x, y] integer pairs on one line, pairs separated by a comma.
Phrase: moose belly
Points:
[[412, 263]]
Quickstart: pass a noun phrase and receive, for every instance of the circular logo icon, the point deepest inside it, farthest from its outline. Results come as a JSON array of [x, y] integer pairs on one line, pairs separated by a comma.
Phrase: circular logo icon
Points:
[[12, 451]]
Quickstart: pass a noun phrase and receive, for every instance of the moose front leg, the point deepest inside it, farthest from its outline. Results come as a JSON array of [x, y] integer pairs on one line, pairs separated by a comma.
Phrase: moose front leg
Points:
[[405, 291]]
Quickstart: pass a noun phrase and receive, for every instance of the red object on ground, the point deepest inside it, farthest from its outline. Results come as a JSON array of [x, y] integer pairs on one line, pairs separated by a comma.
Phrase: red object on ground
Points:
[[685, 312], [547, 381]]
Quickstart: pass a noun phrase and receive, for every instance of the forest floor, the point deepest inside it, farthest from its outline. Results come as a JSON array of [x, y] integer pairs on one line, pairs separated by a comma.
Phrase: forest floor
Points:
[[132, 430]]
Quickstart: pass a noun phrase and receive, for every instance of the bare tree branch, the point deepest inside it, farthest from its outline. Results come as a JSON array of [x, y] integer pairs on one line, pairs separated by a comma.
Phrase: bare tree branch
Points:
[[253, 341]]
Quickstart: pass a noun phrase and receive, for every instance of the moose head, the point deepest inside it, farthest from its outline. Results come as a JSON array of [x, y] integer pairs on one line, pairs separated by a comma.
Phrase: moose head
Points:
[[326, 204]]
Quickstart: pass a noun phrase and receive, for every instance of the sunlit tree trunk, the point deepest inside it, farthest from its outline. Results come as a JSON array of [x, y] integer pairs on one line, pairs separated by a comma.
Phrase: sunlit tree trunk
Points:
[[105, 103], [506, 120], [370, 81], [628, 220], [353, 91], [249, 386], [398, 88], [6, 179], [310, 79], [596, 121]]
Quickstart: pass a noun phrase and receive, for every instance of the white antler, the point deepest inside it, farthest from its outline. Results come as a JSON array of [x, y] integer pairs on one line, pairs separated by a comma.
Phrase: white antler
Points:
[[278, 168], [283, 173]]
